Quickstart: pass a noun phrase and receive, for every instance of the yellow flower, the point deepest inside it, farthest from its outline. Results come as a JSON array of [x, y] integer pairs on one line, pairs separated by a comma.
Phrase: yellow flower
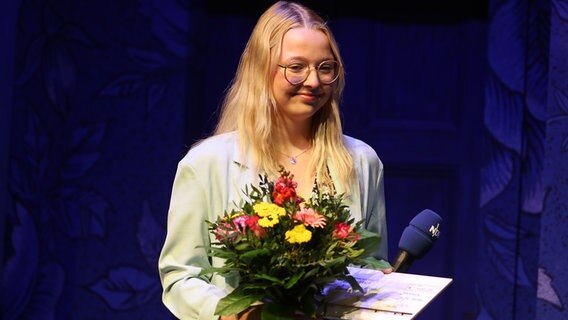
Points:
[[299, 234], [265, 209], [269, 213]]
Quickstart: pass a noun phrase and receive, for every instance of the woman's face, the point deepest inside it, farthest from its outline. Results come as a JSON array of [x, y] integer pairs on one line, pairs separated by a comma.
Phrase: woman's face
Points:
[[306, 47]]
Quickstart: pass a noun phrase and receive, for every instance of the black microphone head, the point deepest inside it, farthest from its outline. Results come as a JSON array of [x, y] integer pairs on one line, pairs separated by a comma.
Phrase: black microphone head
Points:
[[419, 236]]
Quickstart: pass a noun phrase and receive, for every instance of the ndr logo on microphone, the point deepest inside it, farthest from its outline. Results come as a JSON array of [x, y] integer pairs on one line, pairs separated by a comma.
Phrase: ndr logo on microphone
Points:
[[435, 231]]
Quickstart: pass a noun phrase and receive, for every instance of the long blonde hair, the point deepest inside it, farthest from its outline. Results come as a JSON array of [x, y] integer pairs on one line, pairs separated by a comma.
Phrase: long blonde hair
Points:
[[249, 106]]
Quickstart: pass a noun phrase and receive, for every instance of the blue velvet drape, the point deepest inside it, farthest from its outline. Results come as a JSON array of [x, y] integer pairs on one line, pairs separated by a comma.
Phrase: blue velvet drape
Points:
[[101, 99]]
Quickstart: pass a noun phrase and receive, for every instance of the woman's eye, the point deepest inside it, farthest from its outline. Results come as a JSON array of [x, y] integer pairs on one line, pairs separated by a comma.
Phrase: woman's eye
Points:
[[296, 68]]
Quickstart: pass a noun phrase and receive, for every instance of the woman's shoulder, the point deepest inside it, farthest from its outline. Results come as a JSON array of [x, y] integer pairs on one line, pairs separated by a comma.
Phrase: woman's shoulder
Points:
[[360, 150], [212, 148], [358, 146], [219, 140]]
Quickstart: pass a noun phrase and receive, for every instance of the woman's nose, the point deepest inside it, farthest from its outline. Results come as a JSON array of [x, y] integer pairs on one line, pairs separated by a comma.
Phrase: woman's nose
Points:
[[312, 80]]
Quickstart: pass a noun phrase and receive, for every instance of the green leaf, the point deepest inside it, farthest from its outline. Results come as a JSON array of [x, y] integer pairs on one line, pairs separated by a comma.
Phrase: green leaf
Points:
[[269, 278], [374, 263], [254, 253], [242, 246], [352, 253], [308, 303], [293, 280], [328, 264], [276, 311], [235, 302], [369, 242]]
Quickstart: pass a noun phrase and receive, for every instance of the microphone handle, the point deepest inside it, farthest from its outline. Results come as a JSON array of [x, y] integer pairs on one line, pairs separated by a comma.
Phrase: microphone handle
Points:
[[402, 261]]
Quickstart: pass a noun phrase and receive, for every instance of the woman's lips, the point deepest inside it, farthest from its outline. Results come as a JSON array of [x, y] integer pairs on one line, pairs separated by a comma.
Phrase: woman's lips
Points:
[[308, 97]]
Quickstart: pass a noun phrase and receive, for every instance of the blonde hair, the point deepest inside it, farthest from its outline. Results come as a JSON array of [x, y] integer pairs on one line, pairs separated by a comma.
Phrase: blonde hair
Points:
[[250, 109]]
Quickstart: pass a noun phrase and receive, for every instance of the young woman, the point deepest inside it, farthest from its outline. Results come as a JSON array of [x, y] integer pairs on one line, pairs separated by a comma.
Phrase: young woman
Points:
[[282, 109]]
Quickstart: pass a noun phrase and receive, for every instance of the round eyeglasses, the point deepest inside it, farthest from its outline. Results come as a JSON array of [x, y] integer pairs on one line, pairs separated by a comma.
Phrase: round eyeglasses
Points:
[[296, 73]]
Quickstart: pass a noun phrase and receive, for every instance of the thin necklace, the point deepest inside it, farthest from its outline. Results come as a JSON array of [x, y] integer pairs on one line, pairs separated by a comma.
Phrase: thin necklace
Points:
[[294, 159]]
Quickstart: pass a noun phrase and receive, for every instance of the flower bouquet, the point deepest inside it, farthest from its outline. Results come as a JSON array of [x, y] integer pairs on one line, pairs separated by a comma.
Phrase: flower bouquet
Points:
[[287, 249]]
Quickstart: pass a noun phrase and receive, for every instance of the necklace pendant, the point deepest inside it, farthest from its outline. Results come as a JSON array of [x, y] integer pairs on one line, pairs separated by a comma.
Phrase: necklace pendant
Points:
[[293, 160]]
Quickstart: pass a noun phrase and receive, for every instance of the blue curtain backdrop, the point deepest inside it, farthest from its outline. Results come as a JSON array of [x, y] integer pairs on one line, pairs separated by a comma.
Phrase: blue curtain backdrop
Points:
[[467, 105]]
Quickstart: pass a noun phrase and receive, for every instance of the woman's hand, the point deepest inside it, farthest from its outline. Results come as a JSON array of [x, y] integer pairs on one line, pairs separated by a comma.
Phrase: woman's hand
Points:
[[251, 313], [387, 270]]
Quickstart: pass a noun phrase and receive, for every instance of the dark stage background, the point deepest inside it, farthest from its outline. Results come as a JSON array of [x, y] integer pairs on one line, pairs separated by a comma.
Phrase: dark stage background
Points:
[[465, 102]]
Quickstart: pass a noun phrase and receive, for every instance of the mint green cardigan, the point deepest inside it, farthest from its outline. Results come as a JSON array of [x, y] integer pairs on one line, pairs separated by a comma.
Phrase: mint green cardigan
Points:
[[208, 182]]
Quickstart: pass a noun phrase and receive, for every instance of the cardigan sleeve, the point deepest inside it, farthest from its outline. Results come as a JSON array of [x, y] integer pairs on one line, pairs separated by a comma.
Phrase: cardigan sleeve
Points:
[[185, 294], [376, 219], [370, 175]]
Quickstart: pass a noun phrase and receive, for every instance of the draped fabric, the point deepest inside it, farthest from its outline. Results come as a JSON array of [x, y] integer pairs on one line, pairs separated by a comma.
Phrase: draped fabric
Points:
[[519, 150], [466, 106], [551, 278]]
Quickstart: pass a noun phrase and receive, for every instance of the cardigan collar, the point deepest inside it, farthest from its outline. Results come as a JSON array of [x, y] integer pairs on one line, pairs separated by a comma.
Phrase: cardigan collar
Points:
[[247, 175]]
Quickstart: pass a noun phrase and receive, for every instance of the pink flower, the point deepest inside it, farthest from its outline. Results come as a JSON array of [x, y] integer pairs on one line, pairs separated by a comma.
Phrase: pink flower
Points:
[[309, 217], [240, 223], [224, 232]]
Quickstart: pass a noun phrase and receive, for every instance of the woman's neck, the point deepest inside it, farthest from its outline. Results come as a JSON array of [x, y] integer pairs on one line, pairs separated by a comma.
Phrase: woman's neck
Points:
[[294, 138]]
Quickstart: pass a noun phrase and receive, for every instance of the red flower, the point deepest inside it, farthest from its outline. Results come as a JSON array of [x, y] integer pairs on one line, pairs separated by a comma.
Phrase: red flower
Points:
[[284, 190], [341, 230], [252, 224]]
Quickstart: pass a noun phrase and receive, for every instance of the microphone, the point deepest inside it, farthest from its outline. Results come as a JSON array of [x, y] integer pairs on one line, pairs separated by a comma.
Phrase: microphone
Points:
[[417, 239]]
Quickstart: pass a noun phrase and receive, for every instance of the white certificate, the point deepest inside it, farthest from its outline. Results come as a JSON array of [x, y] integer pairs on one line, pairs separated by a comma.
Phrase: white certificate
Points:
[[393, 296]]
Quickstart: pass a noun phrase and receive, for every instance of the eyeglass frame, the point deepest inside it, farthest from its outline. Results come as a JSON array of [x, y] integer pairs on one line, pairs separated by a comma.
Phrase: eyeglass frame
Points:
[[310, 70]]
